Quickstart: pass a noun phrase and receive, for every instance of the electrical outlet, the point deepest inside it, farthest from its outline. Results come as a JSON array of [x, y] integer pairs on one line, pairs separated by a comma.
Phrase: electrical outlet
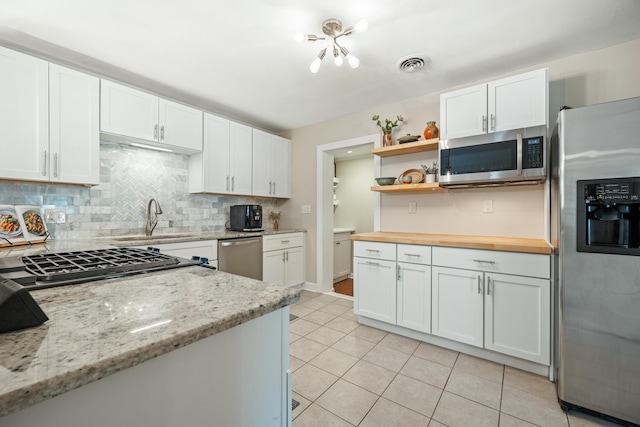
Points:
[[305, 209], [55, 217], [487, 206], [413, 207]]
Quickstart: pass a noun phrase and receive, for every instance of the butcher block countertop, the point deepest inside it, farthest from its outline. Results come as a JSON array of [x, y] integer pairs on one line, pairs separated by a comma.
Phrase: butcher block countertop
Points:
[[511, 244]]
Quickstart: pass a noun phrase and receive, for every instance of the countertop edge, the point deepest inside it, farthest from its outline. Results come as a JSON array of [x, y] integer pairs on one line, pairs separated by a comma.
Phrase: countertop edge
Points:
[[32, 394], [510, 244]]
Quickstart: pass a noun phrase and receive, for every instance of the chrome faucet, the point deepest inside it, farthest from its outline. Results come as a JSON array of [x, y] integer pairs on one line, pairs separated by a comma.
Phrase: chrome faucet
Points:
[[152, 221]]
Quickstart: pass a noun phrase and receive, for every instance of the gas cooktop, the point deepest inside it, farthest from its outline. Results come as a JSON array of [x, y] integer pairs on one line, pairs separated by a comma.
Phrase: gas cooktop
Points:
[[65, 268]]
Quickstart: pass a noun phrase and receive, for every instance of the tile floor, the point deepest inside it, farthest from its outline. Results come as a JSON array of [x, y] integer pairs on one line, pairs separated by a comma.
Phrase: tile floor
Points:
[[346, 374]]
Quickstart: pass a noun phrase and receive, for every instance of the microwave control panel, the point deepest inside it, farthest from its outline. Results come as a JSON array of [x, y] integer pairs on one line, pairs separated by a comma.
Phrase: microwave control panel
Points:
[[532, 153]]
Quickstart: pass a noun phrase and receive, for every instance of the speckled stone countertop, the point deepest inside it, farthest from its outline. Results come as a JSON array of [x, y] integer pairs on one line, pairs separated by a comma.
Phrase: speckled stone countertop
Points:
[[98, 328]]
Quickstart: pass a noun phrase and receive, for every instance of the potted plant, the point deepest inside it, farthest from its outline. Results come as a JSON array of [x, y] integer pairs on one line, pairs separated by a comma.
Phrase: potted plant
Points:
[[386, 128], [431, 172], [274, 216]]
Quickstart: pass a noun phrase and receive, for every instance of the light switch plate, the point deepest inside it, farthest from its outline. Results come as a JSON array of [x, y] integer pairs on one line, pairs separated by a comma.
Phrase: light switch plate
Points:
[[487, 206], [413, 207], [306, 209]]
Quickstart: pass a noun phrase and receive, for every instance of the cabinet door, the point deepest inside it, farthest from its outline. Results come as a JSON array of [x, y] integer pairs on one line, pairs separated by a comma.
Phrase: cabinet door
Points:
[[180, 125], [414, 296], [463, 112], [517, 316], [74, 126], [294, 267], [127, 111], [518, 101], [341, 258], [240, 158], [281, 166], [209, 171], [24, 120], [457, 307], [262, 153], [273, 267], [375, 289]]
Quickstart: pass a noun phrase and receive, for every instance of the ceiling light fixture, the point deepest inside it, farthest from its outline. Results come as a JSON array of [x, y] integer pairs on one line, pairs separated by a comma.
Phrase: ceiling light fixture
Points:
[[333, 29]]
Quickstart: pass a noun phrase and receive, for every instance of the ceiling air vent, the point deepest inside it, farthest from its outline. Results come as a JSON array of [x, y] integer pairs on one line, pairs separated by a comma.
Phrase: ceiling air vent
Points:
[[412, 63]]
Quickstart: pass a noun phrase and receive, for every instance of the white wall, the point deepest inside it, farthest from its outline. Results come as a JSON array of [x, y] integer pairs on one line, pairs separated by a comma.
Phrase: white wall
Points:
[[356, 200], [594, 77]]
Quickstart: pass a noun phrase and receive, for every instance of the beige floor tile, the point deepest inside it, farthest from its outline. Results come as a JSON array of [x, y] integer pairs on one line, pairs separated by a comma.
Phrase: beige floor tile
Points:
[[341, 324], [371, 377], [295, 363], [386, 413], [327, 298], [350, 315], [531, 383], [368, 333], [335, 308], [488, 393], [315, 303], [480, 367], [400, 343], [413, 394], [305, 349], [354, 346], [304, 404], [346, 302], [426, 371], [532, 408], [434, 423], [347, 401], [507, 420], [326, 336], [580, 419], [294, 337], [436, 354], [319, 317], [315, 416], [457, 411], [387, 358], [302, 327], [300, 310], [310, 382], [308, 294], [334, 361]]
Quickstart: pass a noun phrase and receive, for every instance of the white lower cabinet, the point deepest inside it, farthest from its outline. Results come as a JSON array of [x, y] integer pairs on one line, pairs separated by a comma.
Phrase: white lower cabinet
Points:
[[414, 296], [375, 288], [283, 259]]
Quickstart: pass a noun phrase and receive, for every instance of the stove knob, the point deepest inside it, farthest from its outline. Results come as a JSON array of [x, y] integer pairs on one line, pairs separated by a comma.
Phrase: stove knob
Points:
[[204, 260]]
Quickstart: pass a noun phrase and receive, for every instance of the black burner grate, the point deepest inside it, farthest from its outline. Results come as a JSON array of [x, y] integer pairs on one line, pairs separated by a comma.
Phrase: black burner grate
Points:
[[93, 264]]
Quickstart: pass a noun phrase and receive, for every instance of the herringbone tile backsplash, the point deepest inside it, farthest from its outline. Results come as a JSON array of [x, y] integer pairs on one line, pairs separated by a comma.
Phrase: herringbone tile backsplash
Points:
[[129, 178]]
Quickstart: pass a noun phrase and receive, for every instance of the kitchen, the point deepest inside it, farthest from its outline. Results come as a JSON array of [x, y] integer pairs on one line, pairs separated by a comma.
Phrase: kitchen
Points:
[[583, 79]]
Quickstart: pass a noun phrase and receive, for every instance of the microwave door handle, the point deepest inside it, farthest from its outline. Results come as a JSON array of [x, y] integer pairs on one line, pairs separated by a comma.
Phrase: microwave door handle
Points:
[[519, 153]]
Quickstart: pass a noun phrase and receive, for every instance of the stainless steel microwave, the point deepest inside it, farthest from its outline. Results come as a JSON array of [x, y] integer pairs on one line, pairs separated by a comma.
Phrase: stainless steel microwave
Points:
[[512, 157]]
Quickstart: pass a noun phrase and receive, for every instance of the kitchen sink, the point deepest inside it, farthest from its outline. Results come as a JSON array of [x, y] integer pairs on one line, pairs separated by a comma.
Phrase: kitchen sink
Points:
[[153, 237]]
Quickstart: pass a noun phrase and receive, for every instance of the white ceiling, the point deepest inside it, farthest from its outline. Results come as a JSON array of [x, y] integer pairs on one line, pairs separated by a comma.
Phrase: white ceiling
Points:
[[238, 58]]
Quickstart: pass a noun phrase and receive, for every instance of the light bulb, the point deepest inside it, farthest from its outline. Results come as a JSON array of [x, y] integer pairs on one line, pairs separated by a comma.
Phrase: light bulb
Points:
[[353, 61], [299, 37], [338, 60], [315, 65], [361, 26]]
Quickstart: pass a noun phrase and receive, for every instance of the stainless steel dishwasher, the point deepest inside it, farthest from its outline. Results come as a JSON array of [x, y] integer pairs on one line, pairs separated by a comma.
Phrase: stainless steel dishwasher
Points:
[[241, 256]]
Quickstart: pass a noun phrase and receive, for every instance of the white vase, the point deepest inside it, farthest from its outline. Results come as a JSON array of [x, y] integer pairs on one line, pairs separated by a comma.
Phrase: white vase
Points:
[[430, 178]]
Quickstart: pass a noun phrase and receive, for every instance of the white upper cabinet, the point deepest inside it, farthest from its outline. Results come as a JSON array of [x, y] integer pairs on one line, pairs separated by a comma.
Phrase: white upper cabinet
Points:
[[49, 119], [224, 166], [23, 117], [511, 103], [271, 165], [130, 115], [74, 126]]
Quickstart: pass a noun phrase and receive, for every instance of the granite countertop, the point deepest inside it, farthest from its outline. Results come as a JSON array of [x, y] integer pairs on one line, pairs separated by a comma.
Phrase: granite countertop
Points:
[[98, 328], [511, 244]]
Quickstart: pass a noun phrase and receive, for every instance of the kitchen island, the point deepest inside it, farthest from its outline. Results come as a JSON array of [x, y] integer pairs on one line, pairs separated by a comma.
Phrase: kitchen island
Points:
[[188, 346]]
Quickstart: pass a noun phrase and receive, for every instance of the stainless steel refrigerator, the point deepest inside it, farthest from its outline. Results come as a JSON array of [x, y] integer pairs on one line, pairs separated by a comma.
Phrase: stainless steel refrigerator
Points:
[[595, 225]]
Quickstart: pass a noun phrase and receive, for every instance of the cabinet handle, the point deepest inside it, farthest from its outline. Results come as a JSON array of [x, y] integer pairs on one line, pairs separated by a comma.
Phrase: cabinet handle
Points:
[[284, 242], [155, 132], [44, 163], [488, 285], [233, 183], [227, 182], [274, 188], [162, 133], [282, 256], [287, 252], [479, 282], [372, 250], [493, 122], [337, 243], [398, 268], [55, 165], [484, 261], [372, 263], [519, 153], [484, 123], [416, 255]]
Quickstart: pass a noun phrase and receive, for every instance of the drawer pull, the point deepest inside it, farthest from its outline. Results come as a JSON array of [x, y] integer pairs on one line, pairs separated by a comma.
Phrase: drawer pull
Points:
[[479, 281], [285, 241], [416, 255], [372, 250], [488, 285], [484, 261], [373, 263]]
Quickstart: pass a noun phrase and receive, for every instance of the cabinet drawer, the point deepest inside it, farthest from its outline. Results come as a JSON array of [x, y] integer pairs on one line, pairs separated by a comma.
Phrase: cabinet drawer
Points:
[[522, 264], [415, 254], [374, 250], [281, 241]]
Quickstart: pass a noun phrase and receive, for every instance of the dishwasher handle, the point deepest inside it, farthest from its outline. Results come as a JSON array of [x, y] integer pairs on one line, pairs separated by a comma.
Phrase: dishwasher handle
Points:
[[240, 242]]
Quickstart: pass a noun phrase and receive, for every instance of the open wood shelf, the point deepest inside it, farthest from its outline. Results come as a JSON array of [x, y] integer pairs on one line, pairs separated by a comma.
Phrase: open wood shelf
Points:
[[408, 148], [407, 188]]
